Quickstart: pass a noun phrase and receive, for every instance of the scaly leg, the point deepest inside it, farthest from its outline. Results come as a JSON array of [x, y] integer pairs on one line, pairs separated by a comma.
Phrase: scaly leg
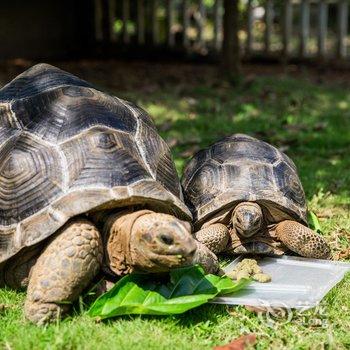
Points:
[[63, 270], [301, 240], [207, 259], [215, 237]]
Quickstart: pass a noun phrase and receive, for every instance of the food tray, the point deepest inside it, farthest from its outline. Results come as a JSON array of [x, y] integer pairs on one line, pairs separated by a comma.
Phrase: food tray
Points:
[[297, 282]]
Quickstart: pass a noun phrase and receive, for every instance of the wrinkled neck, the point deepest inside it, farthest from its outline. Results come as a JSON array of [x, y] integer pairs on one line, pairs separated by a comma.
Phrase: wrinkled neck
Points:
[[117, 234]]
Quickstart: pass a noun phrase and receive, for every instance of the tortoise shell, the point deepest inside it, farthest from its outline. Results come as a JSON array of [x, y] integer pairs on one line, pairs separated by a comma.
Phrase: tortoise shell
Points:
[[241, 168], [66, 149]]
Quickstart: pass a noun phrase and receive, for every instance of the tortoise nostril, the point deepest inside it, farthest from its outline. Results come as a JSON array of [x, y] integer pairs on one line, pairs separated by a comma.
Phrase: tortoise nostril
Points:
[[166, 239]]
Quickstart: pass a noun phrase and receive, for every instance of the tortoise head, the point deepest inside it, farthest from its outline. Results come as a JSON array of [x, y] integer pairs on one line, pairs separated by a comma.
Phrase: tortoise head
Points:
[[247, 218], [159, 242], [248, 235]]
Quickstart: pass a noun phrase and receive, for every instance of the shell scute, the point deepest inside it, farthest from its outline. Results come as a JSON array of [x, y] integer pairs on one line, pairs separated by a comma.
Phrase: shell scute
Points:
[[56, 116], [288, 183], [193, 165], [39, 78], [210, 176], [30, 178], [103, 158], [261, 177]]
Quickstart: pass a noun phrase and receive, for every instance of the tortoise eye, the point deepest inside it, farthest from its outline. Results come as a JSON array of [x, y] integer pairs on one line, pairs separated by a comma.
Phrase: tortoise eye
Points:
[[167, 239]]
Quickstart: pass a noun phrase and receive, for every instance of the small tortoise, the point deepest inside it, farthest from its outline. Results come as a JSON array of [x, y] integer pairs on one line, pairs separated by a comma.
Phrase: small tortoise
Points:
[[246, 197], [82, 175]]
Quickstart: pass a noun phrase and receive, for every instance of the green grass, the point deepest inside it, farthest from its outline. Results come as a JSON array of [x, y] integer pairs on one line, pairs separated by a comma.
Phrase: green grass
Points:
[[311, 122]]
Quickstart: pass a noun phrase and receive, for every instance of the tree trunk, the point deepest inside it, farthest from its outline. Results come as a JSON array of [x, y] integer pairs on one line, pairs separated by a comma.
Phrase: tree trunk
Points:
[[230, 49], [106, 30]]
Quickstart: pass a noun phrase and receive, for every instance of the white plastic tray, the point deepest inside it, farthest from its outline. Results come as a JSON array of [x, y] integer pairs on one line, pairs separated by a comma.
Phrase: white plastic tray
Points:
[[296, 283]]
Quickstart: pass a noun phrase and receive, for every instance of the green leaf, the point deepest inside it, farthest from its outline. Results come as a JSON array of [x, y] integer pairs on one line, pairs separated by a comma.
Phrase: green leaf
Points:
[[186, 289], [314, 222]]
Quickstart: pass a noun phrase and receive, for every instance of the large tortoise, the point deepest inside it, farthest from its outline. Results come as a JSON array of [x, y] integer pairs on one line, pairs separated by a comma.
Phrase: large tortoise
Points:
[[66, 150], [246, 197]]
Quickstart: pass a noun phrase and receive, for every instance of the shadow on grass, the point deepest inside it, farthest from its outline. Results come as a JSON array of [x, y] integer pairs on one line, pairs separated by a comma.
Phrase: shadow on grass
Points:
[[207, 313]]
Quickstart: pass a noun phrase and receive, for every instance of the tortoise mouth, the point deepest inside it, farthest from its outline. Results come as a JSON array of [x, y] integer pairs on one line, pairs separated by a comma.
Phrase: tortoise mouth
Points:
[[165, 263], [173, 259]]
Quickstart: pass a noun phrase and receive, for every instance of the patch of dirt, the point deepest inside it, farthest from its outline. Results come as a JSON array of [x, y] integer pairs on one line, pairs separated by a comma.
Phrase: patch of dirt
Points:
[[147, 76], [343, 254], [3, 308], [241, 343]]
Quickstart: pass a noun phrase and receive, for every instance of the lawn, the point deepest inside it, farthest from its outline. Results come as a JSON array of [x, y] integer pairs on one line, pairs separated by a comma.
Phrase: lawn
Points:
[[192, 107]]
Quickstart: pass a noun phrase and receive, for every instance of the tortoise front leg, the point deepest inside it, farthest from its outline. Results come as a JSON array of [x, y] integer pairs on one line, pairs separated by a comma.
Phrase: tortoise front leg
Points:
[[301, 240], [207, 259], [215, 237], [63, 270]]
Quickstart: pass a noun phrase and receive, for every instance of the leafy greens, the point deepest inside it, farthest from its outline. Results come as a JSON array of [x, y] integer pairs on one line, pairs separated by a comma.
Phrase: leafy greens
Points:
[[187, 288]]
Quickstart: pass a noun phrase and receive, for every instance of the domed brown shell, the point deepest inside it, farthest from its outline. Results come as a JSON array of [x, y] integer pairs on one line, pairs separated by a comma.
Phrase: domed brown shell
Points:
[[66, 149], [241, 168]]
